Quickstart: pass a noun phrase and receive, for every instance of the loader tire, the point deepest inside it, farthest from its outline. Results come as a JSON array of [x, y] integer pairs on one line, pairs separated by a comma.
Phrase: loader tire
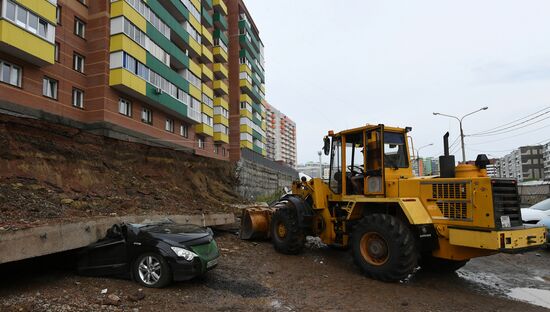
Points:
[[287, 236], [384, 248], [439, 265]]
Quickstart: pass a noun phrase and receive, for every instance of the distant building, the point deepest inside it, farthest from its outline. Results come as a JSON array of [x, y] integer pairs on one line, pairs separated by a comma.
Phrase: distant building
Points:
[[313, 169], [546, 160], [428, 166], [281, 136], [524, 164]]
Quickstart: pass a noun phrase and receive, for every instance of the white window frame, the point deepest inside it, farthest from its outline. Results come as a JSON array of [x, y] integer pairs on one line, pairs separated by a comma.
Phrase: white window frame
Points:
[[125, 107], [79, 31], [184, 130], [147, 116], [50, 87], [78, 98], [11, 80], [169, 125], [78, 62]]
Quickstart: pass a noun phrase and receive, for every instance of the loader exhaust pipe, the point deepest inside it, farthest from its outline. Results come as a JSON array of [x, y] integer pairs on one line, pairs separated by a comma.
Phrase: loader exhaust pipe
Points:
[[447, 161]]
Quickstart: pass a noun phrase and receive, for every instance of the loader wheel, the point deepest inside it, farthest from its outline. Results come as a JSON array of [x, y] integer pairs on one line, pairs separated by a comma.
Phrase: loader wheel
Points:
[[434, 264], [384, 248], [286, 235]]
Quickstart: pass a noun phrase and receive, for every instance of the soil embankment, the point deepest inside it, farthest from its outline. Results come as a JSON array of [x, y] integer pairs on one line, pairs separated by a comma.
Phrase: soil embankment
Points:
[[54, 173]]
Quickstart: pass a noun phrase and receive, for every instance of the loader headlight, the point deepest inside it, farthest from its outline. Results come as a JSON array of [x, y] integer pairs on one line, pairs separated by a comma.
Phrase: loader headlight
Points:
[[184, 253]]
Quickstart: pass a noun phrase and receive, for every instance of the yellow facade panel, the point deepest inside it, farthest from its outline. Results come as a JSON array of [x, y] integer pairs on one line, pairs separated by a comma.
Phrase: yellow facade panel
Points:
[[221, 137], [120, 42], [246, 113], [204, 129], [221, 86], [220, 6], [207, 110], [246, 98], [34, 48], [195, 23], [196, 4], [195, 46], [221, 70], [195, 68], [246, 129], [121, 8], [246, 144], [219, 101], [207, 54], [195, 92], [207, 91], [207, 73], [245, 69], [220, 119], [220, 54], [207, 35], [123, 78]]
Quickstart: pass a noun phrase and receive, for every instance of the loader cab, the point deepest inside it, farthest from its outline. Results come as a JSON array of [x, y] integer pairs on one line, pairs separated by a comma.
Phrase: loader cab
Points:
[[363, 159]]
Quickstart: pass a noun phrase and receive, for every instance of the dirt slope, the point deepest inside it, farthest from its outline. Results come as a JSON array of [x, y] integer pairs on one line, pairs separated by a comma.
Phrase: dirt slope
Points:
[[51, 173]]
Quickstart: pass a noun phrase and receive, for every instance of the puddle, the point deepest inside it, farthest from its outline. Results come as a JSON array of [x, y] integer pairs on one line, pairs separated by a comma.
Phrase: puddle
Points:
[[535, 296]]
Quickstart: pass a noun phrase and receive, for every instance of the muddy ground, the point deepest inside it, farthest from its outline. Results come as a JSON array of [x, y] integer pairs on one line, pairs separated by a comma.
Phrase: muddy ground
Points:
[[253, 277]]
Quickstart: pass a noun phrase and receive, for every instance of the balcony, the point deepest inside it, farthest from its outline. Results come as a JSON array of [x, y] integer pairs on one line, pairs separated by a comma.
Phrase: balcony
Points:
[[221, 137], [221, 120], [207, 19], [220, 56], [27, 46], [207, 4], [220, 87], [207, 38], [44, 8], [245, 85], [219, 34], [206, 90], [207, 56], [219, 101], [220, 71], [220, 21], [127, 82], [204, 129], [219, 6]]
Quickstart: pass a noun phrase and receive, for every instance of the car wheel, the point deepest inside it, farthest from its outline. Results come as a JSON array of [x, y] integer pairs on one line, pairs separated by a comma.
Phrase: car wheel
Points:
[[152, 270]]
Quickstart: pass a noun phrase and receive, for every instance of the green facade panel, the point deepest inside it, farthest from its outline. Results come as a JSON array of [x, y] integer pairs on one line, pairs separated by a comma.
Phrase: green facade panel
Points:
[[257, 149], [167, 45], [219, 34], [160, 68], [207, 18], [169, 20], [166, 101], [220, 20]]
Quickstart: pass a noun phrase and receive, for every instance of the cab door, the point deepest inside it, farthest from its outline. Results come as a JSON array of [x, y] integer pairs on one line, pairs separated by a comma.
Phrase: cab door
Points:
[[374, 184]]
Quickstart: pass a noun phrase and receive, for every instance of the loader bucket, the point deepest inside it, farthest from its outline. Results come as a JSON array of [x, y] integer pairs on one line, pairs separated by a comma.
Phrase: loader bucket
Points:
[[255, 223]]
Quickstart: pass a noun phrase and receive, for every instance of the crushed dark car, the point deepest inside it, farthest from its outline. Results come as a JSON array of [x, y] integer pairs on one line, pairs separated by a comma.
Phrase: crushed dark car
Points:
[[152, 254]]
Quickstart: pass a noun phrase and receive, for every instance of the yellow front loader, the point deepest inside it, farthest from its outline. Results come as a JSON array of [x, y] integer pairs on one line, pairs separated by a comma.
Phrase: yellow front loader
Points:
[[392, 220]]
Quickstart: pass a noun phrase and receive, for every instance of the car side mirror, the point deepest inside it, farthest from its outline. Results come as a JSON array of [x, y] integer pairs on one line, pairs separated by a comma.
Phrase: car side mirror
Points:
[[326, 145]]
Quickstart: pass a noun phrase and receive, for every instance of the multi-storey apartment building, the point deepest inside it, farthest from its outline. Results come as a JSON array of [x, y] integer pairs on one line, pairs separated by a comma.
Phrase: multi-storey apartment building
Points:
[[152, 70], [524, 163], [281, 136], [546, 160], [246, 87]]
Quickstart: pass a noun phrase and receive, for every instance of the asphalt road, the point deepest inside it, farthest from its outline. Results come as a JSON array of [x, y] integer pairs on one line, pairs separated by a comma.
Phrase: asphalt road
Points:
[[253, 277]]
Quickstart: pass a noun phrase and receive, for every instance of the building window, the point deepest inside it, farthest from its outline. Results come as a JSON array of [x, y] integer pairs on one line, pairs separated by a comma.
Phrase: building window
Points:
[[79, 28], [184, 131], [56, 52], [78, 63], [58, 14], [29, 21], [78, 98], [147, 116], [169, 125], [216, 149], [200, 140], [10, 74], [125, 107], [49, 88], [223, 151]]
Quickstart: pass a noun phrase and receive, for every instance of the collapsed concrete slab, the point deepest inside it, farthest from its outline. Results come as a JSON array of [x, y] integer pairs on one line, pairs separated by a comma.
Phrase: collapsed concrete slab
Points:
[[49, 239]]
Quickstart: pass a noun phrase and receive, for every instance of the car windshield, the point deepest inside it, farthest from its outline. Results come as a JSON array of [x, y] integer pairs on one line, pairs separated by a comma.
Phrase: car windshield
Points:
[[543, 205]]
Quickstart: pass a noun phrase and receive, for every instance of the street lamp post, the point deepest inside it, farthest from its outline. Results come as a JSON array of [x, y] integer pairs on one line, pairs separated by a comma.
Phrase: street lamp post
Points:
[[461, 130], [418, 157]]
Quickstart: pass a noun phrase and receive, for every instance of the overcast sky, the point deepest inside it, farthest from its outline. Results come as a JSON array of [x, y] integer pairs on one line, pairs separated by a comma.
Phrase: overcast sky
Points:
[[332, 65]]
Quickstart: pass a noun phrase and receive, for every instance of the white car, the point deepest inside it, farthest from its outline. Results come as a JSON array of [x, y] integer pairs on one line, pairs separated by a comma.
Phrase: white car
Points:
[[537, 212]]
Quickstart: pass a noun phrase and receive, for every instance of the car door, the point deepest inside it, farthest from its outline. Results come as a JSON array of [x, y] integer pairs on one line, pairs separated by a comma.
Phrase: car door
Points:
[[106, 257]]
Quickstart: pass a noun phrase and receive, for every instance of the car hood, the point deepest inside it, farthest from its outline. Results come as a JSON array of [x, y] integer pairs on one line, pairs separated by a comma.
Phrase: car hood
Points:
[[528, 214], [184, 234]]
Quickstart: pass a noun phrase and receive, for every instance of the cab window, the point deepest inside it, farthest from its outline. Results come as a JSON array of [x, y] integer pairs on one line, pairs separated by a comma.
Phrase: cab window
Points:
[[395, 152]]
